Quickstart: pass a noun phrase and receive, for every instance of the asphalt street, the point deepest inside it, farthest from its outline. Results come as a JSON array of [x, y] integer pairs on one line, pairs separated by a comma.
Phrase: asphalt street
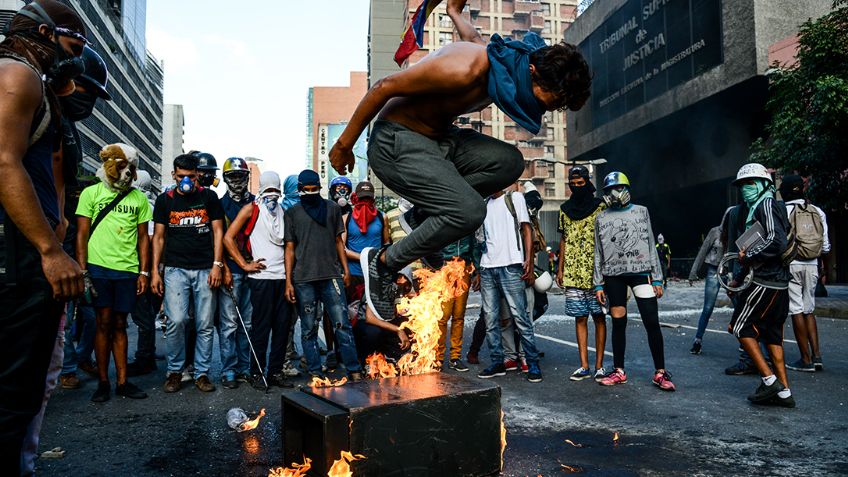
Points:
[[707, 427]]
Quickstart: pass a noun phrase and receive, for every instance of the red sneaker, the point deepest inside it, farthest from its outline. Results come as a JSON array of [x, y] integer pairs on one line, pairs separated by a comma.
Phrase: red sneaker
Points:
[[663, 380], [618, 376], [511, 365], [524, 368]]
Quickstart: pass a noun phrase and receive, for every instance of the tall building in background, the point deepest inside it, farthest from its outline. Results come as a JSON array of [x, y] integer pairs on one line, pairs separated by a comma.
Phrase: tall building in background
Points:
[[116, 30], [329, 108], [173, 130], [513, 18]]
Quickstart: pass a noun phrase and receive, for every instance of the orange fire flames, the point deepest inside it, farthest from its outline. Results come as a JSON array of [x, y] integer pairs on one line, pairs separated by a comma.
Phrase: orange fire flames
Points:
[[615, 439], [574, 444], [503, 438], [326, 382], [341, 467], [296, 470], [570, 469], [251, 425], [424, 311]]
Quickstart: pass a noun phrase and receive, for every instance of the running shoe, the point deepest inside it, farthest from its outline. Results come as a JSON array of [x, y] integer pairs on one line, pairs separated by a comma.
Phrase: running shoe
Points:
[[740, 368], [817, 362], [130, 390], [102, 393], [534, 373], [458, 365], [788, 401], [600, 374], [580, 374], [510, 365], [492, 371], [380, 288], [800, 365], [696, 348], [618, 376], [765, 393], [663, 381], [524, 368]]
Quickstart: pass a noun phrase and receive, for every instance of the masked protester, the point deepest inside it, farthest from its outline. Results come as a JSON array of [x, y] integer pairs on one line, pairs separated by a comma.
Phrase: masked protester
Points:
[[235, 349], [760, 309], [574, 272], [112, 246], [340, 192], [207, 169], [626, 257], [188, 238], [317, 270], [263, 262], [43, 41]]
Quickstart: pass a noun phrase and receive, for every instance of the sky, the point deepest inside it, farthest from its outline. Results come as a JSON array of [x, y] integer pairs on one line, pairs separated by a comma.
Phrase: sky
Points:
[[242, 70]]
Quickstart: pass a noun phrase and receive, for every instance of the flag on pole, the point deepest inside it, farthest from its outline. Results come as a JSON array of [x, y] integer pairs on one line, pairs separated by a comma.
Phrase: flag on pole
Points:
[[413, 37]]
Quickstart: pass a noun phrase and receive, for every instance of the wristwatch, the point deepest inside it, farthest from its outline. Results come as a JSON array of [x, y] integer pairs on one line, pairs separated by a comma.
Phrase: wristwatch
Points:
[[218, 264], [146, 274]]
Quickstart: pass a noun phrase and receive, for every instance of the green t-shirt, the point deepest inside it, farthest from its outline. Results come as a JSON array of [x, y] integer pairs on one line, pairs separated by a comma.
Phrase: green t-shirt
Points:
[[114, 243]]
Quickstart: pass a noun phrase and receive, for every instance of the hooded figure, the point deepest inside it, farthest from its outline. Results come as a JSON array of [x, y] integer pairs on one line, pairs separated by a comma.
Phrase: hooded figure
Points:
[[291, 197], [270, 213], [583, 201], [314, 205]]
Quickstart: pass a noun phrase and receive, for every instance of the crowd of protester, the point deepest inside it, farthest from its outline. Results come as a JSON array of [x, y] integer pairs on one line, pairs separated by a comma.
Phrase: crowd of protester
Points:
[[80, 259]]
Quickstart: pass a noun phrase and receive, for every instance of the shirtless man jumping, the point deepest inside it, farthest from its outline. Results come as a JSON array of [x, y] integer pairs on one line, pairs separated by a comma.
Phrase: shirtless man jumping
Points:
[[445, 171]]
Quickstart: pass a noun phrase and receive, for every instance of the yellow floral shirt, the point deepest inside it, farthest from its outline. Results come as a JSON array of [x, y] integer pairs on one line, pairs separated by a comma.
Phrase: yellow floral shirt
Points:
[[578, 260]]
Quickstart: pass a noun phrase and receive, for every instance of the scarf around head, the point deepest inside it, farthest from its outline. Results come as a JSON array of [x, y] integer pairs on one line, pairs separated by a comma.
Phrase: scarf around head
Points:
[[583, 201], [314, 205], [290, 195], [364, 212], [510, 81], [271, 217], [764, 191]]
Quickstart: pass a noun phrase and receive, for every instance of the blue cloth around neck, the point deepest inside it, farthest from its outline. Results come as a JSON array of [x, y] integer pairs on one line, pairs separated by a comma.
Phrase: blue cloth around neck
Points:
[[510, 81]]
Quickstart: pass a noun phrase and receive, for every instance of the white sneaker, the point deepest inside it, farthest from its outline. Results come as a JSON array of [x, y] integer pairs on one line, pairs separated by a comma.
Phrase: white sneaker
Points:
[[188, 374], [600, 374], [290, 370]]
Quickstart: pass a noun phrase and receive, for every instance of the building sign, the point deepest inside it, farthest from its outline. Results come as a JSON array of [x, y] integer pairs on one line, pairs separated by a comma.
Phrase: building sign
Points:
[[328, 134], [648, 47]]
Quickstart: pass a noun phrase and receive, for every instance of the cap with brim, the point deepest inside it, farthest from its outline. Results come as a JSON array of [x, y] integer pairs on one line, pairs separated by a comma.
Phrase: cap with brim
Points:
[[365, 189]]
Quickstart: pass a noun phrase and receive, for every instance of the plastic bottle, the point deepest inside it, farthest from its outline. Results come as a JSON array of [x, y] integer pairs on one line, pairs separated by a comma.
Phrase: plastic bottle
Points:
[[236, 417]]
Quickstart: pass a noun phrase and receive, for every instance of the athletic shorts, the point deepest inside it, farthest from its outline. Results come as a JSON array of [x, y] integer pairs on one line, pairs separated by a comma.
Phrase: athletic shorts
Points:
[[115, 290], [802, 287], [581, 302], [760, 313], [616, 287]]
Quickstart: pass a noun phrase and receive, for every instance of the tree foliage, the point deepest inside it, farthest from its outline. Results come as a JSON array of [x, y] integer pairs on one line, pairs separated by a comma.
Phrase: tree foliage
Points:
[[808, 104]]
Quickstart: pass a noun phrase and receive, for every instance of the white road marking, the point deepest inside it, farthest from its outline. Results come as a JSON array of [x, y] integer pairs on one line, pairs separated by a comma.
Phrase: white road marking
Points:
[[569, 343]]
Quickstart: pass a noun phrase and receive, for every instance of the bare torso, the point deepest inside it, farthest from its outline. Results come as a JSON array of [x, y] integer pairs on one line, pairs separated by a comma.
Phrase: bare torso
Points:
[[433, 114]]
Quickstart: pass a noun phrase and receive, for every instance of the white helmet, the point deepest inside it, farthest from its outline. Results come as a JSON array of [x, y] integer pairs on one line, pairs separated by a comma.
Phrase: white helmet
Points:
[[543, 282], [143, 180], [753, 170]]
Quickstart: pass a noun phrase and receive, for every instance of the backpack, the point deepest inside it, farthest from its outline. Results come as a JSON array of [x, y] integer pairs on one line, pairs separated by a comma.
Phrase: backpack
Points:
[[806, 234], [539, 242]]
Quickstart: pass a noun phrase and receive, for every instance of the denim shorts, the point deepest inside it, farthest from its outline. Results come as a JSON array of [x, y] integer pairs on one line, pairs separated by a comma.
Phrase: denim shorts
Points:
[[115, 290]]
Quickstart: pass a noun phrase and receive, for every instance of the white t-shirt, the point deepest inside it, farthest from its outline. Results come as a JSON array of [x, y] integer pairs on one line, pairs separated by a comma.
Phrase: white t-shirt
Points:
[[502, 246], [262, 246]]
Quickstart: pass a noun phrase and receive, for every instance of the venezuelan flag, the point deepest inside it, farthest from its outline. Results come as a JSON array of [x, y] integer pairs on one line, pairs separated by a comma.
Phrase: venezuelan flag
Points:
[[413, 37]]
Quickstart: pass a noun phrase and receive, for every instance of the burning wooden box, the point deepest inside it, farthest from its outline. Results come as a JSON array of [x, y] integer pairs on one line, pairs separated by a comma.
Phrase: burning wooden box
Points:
[[429, 424]]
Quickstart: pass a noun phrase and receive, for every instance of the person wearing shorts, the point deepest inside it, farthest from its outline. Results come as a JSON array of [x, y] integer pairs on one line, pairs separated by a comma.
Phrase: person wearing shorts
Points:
[[113, 249], [761, 309], [804, 276], [626, 257], [574, 272]]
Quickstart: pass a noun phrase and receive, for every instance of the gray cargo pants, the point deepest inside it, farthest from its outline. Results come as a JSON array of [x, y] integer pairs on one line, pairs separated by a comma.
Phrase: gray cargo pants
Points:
[[447, 179]]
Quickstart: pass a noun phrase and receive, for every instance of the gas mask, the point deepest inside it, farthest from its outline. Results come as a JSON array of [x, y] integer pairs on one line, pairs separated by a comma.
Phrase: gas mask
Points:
[[186, 185], [207, 179], [340, 195], [617, 198], [237, 184], [66, 66]]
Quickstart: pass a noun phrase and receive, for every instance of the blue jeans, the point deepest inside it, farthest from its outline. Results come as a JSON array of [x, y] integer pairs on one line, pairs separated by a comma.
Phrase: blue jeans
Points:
[[82, 352], [506, 282], [181, 287], [235, 352], [711, 288], [332, 294]]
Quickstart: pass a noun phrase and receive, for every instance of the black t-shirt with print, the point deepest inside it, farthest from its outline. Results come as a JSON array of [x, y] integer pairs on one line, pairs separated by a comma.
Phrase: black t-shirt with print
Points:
[[189, 242]]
